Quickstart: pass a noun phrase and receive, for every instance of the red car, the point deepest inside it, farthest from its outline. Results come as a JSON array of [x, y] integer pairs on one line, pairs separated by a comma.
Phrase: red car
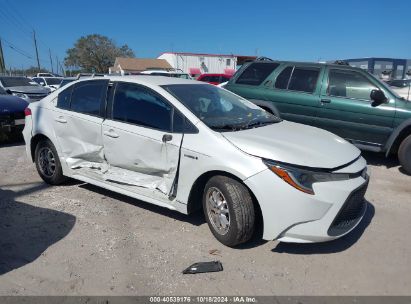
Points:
[[214, 78]]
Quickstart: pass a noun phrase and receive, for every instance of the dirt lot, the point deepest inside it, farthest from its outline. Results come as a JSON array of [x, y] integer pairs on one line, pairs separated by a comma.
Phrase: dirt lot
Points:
[[78, 239]]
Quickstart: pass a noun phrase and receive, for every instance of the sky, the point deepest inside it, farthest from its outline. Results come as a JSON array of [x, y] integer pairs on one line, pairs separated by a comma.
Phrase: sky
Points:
[[285, 30]]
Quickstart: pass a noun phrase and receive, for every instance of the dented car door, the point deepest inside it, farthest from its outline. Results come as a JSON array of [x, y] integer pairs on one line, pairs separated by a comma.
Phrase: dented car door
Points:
[[139, 145], [77, 122]]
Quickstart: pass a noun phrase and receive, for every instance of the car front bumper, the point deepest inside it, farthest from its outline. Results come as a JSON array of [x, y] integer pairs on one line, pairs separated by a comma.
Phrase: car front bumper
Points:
[[290, 215]]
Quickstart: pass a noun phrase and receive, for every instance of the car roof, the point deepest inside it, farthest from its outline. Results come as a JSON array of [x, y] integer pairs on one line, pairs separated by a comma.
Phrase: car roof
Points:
[[148, 80], [308, 63]]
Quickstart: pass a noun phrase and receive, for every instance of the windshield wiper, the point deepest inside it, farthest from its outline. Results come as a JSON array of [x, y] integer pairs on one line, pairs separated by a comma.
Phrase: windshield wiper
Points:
[[230, 127]]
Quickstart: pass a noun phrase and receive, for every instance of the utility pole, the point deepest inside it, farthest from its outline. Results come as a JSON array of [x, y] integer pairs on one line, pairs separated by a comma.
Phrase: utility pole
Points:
[[2, 65], [37, 51], [51, 62], [57, 65]]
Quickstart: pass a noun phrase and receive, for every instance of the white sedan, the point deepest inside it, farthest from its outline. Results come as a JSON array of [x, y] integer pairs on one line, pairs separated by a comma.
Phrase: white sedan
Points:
[[187, 145]]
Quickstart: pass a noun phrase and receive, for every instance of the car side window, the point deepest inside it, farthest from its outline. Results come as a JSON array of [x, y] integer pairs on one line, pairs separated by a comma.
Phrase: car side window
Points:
[[256, 73], [138, 105], [181, 124], [283, 78], [349, 84], [87, 97], [304, 79], [63, 99]]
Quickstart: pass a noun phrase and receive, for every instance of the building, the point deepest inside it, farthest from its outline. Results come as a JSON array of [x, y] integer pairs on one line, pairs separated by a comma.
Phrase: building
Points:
[[384, 68], [135, 65], [196, 64]]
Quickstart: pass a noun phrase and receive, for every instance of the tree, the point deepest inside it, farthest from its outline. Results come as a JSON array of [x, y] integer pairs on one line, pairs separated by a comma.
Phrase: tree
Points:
[[95, 53]]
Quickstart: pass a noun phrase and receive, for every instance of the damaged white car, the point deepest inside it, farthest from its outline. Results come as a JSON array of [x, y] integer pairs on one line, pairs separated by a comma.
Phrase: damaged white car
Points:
[[186, 145]]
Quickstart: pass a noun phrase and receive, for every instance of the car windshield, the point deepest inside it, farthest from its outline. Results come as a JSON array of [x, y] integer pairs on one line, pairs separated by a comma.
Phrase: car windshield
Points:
[[17, 82], [53, 81], [220, 109]]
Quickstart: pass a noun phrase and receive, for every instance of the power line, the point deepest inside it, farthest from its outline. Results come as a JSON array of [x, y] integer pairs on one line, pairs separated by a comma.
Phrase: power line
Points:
[[16, 13], [14, 23], [17, 49], [14, 18]]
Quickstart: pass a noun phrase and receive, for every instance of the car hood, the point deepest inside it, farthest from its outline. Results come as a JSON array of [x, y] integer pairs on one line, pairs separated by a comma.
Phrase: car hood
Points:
[[296, 144], [29, 89], [10, 104]]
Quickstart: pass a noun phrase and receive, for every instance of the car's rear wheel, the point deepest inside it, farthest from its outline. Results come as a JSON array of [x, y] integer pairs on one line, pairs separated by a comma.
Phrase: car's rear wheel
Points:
[[404, 154], [48, 164], [229, 210]]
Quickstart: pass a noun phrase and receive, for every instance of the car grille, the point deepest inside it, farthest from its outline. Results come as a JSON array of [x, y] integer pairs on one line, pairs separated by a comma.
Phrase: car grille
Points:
[[350, 213], [34, 96]]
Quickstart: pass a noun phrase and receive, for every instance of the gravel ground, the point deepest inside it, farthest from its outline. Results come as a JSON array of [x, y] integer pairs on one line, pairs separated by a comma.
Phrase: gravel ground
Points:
[[78, 239]]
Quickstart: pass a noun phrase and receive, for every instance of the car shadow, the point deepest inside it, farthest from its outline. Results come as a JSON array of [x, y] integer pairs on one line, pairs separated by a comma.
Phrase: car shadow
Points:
[[26, 231], [334, 246], [196, 218], [379, 159], [12, 143]]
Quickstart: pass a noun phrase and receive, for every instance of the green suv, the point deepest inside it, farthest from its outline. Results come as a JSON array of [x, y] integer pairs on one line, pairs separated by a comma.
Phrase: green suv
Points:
[[344, 100]]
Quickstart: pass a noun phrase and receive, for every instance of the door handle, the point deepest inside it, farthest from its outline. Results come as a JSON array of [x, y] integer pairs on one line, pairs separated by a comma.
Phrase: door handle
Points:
[[167, 137], [111, 133], [61, 119], [326, 100]]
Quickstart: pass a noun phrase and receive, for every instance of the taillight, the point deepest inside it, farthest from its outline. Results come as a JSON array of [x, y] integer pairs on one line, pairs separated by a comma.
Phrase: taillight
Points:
[[27, 112]]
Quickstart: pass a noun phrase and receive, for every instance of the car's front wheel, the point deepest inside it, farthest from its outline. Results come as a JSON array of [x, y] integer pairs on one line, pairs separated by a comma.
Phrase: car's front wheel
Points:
[[48, 164], [404, 154], [229, 210]]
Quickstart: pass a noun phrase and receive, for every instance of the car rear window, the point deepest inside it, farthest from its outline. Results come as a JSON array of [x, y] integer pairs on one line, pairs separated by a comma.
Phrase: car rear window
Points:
[[256, 73]]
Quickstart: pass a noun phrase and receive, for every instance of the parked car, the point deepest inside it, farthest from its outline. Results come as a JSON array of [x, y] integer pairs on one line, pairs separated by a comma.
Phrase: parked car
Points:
[[11, 115], [177, 74], [52, 83], [46, 75], [345, 100], [214, 78], [186, 145], [402, 87], [24, 88]]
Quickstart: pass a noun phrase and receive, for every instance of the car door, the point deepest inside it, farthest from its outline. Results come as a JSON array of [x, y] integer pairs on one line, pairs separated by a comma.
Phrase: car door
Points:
[[346, 108], [77, 121], [140, 147], [295, 92]]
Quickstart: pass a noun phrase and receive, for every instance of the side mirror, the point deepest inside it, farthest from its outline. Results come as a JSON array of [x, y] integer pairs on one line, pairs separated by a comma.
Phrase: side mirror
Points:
[[377, 97]]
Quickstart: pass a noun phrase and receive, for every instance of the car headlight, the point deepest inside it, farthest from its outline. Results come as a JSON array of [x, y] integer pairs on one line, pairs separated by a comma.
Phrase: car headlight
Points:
[[21, 95], [303, 179]]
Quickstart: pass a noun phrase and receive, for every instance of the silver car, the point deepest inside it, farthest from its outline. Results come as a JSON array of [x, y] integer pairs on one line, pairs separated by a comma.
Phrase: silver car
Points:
[[23, 87]]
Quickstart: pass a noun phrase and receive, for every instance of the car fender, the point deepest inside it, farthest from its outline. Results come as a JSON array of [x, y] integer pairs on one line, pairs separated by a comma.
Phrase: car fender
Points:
[[394, 135], [267, 105]]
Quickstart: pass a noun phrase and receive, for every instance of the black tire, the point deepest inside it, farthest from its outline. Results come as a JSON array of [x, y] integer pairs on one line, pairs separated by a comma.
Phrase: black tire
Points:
[[404, 154], [241, 212], [55, 176]]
